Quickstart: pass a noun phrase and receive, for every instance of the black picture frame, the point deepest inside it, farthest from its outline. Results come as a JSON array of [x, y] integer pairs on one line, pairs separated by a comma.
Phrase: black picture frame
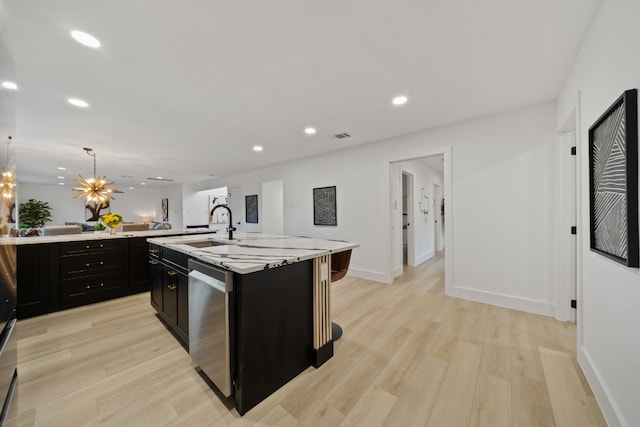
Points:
[[165, 210], [324, 206], [613, 181], [251, 209]]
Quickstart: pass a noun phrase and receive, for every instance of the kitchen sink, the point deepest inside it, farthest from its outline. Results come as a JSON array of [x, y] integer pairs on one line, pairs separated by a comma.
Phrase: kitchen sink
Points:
[[204, 243]]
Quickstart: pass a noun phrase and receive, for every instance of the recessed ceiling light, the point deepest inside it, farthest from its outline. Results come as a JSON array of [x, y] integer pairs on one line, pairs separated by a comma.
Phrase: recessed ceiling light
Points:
[[61, 177], [10, 85], [257, 148], [143, 183], [130, 188], [78, 102], [60, 168], [399, 100], [85, 39], [159, 177], [61, 183], [310, 131]]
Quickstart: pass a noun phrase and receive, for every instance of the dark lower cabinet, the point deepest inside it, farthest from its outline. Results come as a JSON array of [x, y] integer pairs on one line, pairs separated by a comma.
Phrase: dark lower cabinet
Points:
[[273, 330], [38, 279], [138, 269], [55, 276], [92, 271], [170, 290]]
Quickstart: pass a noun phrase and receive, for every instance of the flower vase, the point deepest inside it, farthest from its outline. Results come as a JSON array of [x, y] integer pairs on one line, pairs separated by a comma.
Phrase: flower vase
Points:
[[112, 230]]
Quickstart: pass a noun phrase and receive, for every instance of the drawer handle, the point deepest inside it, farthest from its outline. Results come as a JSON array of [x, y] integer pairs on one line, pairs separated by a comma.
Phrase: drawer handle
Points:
[[171, 287], [95, 263], [153, 251], [102, 246], [95, 286], [171, 273], [153, 262]]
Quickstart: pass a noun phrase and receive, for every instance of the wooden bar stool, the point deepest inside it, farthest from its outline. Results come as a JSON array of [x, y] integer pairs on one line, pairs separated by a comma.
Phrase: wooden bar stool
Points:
[[339, 268]]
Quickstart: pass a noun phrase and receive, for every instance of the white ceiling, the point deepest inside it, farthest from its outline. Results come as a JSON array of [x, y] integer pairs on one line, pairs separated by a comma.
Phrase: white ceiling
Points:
[[185, 89]]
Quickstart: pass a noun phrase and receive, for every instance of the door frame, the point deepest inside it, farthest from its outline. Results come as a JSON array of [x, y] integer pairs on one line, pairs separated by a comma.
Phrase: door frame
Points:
[[411, 259]]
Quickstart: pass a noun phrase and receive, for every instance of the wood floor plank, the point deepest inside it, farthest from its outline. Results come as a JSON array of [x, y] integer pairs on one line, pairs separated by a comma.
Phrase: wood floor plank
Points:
[[569, 402], [455, 397], [409, 356]]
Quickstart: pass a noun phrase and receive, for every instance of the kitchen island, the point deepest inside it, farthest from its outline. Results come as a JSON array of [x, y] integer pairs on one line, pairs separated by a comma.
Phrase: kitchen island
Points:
[[276, 306]]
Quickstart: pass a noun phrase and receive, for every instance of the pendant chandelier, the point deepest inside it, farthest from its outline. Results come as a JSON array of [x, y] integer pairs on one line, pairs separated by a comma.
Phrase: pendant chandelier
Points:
[[8, 179], [94, 190]]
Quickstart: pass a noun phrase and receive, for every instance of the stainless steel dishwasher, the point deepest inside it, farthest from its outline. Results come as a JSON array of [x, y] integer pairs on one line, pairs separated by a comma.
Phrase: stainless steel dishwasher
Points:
[[209, 320]]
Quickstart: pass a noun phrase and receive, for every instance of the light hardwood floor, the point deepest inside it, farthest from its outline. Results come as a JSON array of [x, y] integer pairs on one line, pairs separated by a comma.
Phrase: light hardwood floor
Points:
[[409, 356]]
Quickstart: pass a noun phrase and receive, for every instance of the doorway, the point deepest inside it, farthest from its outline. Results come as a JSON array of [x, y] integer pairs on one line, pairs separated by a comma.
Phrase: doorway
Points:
[[407, 219], [412, 231]]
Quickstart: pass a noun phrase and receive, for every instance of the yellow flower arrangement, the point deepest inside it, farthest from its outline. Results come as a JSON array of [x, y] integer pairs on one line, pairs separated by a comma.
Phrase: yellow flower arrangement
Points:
[[111, 220]]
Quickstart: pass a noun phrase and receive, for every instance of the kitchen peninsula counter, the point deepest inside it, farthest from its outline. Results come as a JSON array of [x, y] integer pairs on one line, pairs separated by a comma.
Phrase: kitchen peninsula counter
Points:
[[64, 271], [104, 236]]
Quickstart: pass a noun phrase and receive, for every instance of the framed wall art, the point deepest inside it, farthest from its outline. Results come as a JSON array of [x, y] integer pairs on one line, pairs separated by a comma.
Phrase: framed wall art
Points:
[[165, 210], [251, 209], [613, 181], [324, 206]]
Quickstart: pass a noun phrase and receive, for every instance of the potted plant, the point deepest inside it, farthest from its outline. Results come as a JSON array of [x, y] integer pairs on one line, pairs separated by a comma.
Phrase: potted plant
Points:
[[111, 220], [34, 213], [99, 227]]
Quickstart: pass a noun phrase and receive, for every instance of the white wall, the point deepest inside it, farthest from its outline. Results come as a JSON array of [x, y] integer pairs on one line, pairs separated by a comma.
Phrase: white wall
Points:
[[608, 296], [133, 205], [500, 211]]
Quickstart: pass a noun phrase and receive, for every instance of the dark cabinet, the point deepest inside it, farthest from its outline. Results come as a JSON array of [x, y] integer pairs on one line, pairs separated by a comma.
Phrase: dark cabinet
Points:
[[138, 264], [169, 289], [92, 271], [37, 278]]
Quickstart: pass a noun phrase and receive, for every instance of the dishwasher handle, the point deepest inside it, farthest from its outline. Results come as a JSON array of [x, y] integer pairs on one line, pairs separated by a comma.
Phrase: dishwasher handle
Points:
[[214, 283]]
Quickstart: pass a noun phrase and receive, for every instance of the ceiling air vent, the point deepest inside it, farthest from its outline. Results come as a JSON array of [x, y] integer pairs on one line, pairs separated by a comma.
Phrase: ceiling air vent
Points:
[[159, 179], [342, 135]]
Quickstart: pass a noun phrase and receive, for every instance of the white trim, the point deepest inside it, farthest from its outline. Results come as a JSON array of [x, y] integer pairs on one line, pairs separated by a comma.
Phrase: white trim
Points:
[[376, 276], [397, 272], [610, 410], [508, 301], [425, 257]]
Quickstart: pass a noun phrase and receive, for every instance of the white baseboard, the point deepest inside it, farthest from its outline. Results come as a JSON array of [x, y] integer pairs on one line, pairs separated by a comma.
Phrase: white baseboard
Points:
[[425, 257], [609, 409], [508, 301], [397, 272], [376, 276]]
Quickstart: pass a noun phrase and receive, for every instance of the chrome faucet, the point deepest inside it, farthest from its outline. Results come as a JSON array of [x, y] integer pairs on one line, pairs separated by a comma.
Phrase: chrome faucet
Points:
[[230, 229]]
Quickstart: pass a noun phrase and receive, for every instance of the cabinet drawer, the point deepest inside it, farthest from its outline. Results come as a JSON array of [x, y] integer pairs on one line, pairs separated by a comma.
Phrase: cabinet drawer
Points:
[[89, 264], [73, 248], [83, 290], [175, 259]]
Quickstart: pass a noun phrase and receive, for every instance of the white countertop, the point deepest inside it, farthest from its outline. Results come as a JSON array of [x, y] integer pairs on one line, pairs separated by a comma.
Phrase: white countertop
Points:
[[97, 236], [251, 252]]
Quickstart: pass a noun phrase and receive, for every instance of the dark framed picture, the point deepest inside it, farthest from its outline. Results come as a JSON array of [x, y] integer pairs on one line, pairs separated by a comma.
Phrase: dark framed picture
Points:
[[251, 209], [613, 181], [324, 206], [165, 210]]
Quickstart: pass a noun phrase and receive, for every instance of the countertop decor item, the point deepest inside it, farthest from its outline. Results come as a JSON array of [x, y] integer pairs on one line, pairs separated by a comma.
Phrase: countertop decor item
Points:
[[34, 213], [111, 220]]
